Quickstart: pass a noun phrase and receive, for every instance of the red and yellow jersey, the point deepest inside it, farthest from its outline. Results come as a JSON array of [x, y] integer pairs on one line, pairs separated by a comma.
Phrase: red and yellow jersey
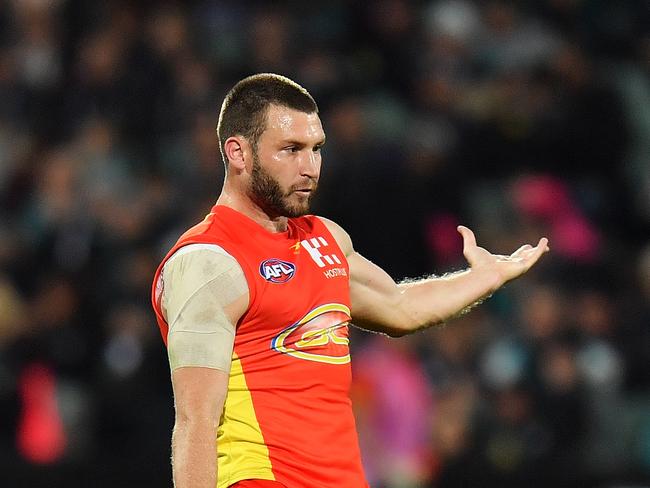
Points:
[[287, 415]]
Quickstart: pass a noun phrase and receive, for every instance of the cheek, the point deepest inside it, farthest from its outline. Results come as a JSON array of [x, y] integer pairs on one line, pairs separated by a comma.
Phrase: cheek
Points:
[[318, 162], [283, 170], [282, 164], [277, 158], [275, 164]]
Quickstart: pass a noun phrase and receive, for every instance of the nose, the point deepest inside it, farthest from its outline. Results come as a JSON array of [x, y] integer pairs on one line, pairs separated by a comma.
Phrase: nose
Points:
[[310, 164]]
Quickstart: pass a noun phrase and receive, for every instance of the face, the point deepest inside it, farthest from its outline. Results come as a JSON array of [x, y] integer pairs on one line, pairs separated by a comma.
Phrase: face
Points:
[[286, 164]]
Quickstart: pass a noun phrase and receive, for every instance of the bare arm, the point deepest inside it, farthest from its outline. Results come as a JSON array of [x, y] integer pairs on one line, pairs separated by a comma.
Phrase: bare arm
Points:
[[380, 304], [199, 395], [205, 295]]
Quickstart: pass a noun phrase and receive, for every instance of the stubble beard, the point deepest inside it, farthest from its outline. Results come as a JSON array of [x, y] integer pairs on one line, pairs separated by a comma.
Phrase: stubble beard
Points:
[[266, 192]]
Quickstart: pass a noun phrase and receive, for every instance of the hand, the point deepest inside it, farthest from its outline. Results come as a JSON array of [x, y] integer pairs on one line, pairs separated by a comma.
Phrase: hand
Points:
[[506, 267]]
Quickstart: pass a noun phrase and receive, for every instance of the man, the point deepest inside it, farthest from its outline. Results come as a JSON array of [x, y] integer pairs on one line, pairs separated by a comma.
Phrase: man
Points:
[[254, 305]]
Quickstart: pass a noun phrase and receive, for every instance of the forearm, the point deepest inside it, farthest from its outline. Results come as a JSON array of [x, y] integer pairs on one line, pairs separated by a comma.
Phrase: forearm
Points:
[[194, 454], [381, 305], [436, 300]]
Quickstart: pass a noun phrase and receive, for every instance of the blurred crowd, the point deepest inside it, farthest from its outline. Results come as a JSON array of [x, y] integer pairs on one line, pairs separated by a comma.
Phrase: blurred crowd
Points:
[[516, 118]]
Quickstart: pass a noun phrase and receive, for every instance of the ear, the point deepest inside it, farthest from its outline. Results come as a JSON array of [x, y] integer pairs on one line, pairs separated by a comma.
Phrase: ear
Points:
[[234, 149]]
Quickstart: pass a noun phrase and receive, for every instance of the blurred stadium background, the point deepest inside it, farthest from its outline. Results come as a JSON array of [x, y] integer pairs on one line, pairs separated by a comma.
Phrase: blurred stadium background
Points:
[[517, 118]]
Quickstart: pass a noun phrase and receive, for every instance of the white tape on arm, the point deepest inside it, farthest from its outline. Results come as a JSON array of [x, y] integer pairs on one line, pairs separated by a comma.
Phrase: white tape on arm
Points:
[[199, 281]]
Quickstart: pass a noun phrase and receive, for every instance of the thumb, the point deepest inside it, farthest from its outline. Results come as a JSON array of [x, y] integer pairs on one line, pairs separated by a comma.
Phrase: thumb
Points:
[[469, 240]]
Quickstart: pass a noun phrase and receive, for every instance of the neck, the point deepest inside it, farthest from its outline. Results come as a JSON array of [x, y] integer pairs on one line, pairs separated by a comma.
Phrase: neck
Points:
[[238, 200]]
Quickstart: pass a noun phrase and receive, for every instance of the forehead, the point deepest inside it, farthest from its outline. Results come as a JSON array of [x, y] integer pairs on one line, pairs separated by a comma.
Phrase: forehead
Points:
[[287, 123]]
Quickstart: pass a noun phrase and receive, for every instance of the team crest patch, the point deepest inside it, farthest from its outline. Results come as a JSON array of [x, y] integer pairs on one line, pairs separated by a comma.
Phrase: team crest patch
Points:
[[321, 336], [277, 271]]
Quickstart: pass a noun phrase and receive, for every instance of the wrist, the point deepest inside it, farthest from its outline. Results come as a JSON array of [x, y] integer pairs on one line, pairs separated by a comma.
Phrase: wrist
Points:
[[491, 279]]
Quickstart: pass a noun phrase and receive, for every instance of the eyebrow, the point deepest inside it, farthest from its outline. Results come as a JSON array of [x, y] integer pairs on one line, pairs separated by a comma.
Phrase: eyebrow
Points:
[[302, 143]]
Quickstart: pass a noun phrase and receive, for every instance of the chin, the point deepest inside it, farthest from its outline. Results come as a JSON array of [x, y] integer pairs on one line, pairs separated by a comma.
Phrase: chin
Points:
[[296, 210]]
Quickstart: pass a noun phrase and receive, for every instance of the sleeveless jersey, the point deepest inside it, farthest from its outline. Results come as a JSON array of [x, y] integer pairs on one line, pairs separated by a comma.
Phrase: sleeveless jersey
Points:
[[287, 415]]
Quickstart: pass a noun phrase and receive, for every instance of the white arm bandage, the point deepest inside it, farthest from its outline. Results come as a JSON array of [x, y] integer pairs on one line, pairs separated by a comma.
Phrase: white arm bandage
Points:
[[200, 280]]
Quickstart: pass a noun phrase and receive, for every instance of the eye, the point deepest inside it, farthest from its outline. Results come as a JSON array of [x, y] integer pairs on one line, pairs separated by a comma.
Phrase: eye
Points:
[[317, 148], [292, 149]]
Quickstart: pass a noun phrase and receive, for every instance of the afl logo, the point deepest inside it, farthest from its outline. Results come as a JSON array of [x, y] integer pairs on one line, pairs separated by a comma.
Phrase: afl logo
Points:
[[277, 271]]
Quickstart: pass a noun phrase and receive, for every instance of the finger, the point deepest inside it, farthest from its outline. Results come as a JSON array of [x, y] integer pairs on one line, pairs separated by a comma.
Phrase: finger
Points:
[[543, 243], [522, 250], [469, 240], [537, 251]]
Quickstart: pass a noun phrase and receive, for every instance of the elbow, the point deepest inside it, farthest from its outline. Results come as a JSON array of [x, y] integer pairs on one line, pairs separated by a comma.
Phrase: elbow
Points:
[[411, 325], [403, 321], [192, 423], [398, 325], [198, 417]]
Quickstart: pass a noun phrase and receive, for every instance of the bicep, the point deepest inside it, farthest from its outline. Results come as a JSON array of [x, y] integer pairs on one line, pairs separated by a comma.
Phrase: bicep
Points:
[[376, 300], [205, 294]]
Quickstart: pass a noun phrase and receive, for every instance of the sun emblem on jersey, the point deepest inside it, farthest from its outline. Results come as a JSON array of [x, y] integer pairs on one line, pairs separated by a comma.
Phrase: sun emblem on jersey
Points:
[[321, 335]]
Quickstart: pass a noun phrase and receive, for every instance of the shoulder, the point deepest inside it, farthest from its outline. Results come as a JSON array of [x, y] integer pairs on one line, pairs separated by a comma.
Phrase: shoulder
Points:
[[204, 261], [342, 237], [201, 266], [199, 251]]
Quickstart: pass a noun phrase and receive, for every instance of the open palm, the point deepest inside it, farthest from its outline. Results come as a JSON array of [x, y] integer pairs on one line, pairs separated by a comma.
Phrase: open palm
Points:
[[507, 267]]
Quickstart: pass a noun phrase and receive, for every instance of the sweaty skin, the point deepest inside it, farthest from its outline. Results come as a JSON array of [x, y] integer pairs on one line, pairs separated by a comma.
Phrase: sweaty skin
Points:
[[288, 155]]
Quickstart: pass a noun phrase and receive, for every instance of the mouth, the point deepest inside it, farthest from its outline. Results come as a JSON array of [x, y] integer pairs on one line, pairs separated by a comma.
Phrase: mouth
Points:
[[305, 188]]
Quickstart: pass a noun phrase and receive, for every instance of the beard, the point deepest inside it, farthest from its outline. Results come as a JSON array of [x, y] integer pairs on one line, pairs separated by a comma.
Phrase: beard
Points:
[[267, 193]]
